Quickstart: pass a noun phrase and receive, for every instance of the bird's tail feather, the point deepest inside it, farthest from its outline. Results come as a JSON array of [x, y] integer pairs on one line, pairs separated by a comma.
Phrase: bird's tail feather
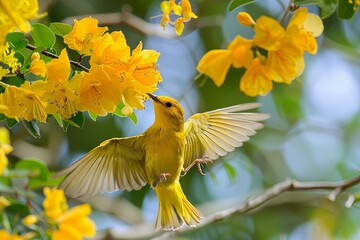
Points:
[[174, 208]]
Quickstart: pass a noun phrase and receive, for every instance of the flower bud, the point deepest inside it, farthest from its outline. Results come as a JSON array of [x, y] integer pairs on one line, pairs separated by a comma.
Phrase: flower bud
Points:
[[245, 19], [35, 56], [30, 220]]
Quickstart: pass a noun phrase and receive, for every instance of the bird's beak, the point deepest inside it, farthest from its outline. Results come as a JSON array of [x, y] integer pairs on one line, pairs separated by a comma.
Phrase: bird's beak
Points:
[[154, 97]]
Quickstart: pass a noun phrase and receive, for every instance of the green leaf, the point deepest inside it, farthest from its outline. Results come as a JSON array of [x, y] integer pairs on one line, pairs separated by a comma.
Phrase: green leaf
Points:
[[118, 112], [34, 165], [77, 120], [32, 127], [238, 3], [20, 57], [15, 81], [346, 10], [17, 40], [42, 35], [230, 170], [92, 115], [60, 29], [18, 209], [327, 7], [11, 122], [58, 119]]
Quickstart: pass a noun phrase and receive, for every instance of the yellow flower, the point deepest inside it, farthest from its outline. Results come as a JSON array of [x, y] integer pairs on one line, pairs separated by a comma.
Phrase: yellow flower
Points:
[[71, 223], [4, 235], [4, 202], [37, 65], [110, 50], [54, 203], [309, 26], [84, 35], [145, 70], [356, 4], [179, 25], [183, 11], [74, 224], [245, 19], [23, 102], [170, 6], [60, 94], [255, 80], [285, 64], [15, 15], [187, 11], [30, 220], [8, 59], [216, 63], [58, 70], [268, 33], [5, 148], [94, 96], [114, 70], [3, 72]]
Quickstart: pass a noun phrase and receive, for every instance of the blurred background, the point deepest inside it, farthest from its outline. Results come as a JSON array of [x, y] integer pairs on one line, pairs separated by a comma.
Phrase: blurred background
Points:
[[313, 134]]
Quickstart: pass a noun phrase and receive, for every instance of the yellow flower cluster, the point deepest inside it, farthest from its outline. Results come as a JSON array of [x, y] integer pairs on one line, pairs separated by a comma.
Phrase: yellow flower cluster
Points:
[[116, 76], [4, 235], [15, 15], [64, 223], [274, 54], [183, 11], [5, 148]]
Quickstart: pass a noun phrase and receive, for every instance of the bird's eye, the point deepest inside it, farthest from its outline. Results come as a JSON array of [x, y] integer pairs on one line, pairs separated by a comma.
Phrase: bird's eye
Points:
[[168, 104]]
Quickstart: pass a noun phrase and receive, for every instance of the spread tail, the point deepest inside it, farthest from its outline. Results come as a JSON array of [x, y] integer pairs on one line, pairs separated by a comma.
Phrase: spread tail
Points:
[[174, 208]]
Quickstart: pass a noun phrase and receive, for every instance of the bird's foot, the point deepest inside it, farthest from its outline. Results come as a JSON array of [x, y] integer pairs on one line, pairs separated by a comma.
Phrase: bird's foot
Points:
[[162, 177], [198, 162]]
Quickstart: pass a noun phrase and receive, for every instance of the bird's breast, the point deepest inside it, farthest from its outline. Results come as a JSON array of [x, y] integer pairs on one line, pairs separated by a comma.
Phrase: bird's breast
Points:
[[164, 154]]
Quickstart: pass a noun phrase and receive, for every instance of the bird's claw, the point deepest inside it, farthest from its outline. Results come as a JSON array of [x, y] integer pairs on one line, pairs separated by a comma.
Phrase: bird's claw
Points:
[[198, 163], [162, 177]]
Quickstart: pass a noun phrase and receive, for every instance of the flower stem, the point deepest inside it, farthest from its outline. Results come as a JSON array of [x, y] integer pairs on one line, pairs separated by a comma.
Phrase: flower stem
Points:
[[49, 54]]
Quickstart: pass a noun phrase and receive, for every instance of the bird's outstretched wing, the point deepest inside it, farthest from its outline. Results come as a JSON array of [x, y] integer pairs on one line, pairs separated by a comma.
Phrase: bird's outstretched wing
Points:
[[117, 163], [216, 133]]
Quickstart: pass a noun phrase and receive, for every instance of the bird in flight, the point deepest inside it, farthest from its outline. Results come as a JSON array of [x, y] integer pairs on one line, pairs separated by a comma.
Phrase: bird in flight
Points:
[[159, 156]]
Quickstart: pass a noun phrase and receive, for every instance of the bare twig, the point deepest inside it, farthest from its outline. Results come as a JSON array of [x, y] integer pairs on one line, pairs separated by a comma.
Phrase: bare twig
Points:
[[273, 192], [49, 54], [126, 18]]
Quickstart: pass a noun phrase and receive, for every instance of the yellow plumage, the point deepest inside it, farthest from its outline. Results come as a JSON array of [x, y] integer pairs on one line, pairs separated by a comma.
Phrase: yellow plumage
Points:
[[160, 154]]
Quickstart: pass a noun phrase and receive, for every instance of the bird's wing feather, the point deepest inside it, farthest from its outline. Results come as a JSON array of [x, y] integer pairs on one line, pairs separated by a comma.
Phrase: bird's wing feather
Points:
[[215, 133], [117, 163]]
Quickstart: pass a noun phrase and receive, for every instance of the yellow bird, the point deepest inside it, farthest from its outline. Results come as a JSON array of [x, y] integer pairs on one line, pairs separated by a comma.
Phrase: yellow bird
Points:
[[167, 149]]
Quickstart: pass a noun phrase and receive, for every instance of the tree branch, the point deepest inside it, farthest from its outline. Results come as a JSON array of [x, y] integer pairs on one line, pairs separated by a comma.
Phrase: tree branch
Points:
[[49, 54], [273, 192]]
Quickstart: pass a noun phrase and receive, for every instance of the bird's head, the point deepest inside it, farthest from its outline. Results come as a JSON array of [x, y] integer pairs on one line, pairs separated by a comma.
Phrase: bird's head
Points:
[[168, 112]]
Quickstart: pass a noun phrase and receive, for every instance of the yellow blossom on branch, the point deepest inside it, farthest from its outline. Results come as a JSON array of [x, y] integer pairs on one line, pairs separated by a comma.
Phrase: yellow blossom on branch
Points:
[[4, 235], [255, 80], [54, 203], [114, 71], [5, 148], [60, 93], [8, 61], [83, 35], [71, 223], [183, 11], [284, 52], [37, 65], [216, 63], [23, 102], [74, 224], [15, 15]]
